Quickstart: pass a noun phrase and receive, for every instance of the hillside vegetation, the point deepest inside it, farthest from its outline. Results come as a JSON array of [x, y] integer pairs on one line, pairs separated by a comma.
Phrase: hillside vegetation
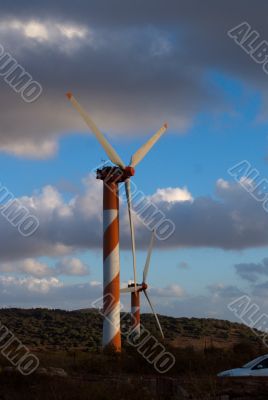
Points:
[[45, 328], [71, 340]]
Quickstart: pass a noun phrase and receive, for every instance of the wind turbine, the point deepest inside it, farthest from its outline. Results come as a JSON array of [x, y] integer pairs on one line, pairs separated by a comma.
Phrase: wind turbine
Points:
[[135, 295], [111, 177]]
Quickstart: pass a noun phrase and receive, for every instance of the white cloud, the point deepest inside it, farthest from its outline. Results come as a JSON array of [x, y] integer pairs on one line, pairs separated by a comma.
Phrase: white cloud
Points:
[[71, 266], [71, 31], [48, 202], [43, 285], [172, 290], [31, 284], [46, 31], [47, 292], [222, 184], [35, 30], [28, 266], [42, 149], [31, 29], [54, 293], [170, 300], [34, 268], [95, 283], [247, 182], [231, 221], [172, 195]]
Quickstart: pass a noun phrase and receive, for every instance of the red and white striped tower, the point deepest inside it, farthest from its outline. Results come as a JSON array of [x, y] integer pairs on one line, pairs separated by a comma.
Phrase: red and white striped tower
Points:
[[135, 295], [135, 313], [111, 261]]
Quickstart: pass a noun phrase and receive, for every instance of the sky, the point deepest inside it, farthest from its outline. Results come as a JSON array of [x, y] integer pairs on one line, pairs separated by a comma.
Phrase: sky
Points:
[[134, 66]]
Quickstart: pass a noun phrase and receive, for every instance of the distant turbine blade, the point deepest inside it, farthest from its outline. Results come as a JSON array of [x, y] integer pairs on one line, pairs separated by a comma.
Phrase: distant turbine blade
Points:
[[111, 153], [147, 263], [129, 203], [156, 317], [141, 153], [128, 290]]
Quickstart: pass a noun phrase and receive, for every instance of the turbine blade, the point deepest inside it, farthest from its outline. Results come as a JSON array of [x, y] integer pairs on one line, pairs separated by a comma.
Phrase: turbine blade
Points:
[[129, 204], [143, 150], [156, 317], [111, 153], [147, 263]]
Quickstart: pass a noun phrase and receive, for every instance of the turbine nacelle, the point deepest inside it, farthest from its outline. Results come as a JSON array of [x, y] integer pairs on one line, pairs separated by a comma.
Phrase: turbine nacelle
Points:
[[139, 286], [115, 174]]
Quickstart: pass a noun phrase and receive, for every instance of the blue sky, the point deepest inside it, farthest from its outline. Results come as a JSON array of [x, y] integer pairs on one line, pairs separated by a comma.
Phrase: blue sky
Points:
[[195, 159], [133, 74]]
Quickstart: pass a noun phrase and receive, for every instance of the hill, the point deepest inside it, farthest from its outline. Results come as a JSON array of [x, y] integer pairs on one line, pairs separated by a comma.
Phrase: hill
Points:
[[46, 328], [71, 340]]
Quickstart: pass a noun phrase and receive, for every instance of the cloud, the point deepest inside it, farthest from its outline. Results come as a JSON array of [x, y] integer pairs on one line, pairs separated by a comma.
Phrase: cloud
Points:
[[183, 265], [35, 268], [173, 300], [47, 292], [252, 272], [172, 195], [173, 290], [170, 300], [122, 61], [229, 220], [28, 266], [52, 292], [64, 226], [31, 148], [44, 31], [30, 284], [71, 266]]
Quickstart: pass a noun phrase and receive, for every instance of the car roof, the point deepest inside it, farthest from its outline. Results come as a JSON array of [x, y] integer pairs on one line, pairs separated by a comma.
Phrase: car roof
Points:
[[264, 356]]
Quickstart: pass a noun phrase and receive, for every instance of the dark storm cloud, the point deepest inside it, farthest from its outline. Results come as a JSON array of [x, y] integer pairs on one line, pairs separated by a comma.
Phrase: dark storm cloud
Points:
[[138, 64]]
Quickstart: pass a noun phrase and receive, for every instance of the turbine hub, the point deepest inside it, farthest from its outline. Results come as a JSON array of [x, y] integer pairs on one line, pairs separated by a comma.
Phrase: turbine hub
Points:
[[130, 171], [144, 286]]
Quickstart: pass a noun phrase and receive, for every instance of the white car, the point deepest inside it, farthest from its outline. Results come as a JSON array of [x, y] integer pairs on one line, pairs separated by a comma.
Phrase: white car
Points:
[[256, 367]]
